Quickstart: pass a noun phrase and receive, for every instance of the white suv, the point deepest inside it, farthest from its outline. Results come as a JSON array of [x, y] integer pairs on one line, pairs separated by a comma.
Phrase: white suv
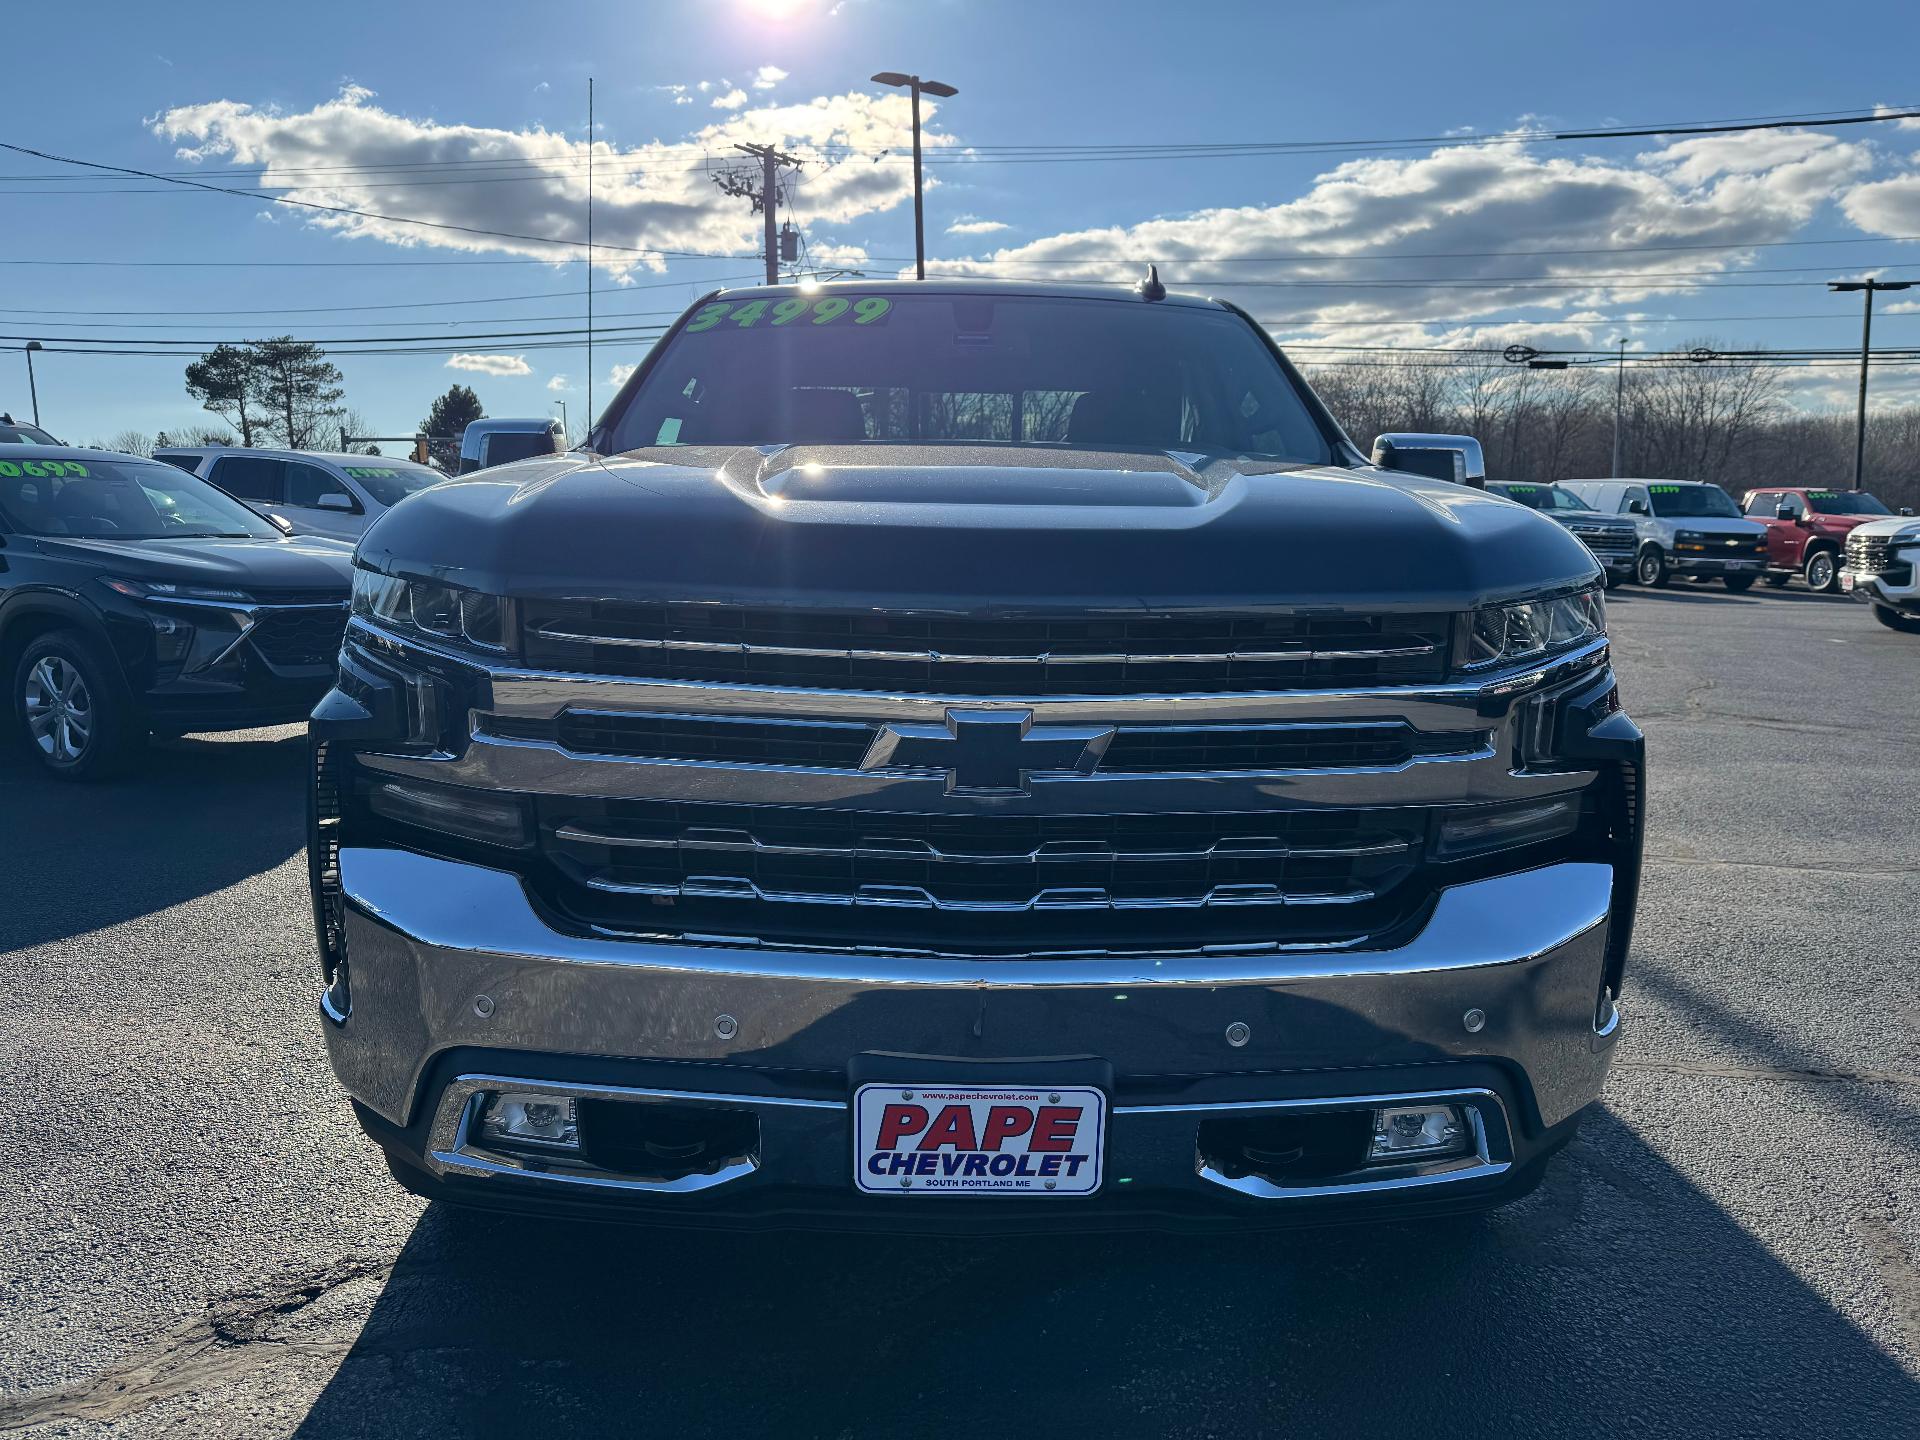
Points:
[[315, 492]]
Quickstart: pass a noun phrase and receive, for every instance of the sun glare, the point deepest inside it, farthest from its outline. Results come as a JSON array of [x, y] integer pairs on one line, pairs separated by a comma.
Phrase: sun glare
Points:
[[775, 9]]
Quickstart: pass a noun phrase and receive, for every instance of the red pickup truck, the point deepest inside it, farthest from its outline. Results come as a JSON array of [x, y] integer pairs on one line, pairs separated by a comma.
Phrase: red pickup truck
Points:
[[1807, 529]]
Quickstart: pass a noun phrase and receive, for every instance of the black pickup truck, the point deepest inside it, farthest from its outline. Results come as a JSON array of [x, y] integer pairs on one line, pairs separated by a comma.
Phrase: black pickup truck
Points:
[[964, 754]]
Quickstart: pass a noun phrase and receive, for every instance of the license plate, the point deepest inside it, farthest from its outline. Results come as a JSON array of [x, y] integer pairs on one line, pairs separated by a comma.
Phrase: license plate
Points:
[[1846, 581], [979, 1140]]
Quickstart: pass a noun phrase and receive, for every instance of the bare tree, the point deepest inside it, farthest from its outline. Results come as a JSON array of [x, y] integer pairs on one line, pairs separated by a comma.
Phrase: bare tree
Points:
[[132, 442]]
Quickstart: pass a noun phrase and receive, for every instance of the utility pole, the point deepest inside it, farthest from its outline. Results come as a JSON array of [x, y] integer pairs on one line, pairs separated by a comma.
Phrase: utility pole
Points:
[[1619, 395], [1867, 287], [590, 139], [766, 198], [33, 389], [931, 87]]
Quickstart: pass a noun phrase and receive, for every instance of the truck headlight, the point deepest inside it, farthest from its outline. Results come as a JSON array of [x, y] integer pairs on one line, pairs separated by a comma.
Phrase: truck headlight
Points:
[[1533, 629], [429, 608]]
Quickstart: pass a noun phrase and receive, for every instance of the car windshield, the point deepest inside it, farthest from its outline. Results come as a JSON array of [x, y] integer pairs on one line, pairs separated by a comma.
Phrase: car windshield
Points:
[[391, 481], [851, 368], [1540, 497], [118, 498], [14, 433], [1845, 502], [1700, 500]]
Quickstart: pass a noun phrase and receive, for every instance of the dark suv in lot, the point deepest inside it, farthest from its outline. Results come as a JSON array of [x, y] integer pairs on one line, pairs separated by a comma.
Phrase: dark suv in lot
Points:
[[135, 598], [955, 754]]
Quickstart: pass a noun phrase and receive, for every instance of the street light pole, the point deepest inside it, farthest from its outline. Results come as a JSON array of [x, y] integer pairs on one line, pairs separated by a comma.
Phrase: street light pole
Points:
[[916, 85], [1866, 287], [32, 389], [1619, 394]]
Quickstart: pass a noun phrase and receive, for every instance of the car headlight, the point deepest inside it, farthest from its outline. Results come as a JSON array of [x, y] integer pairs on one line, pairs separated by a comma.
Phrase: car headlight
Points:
[[445, 612], [168, 590], [1534, 629]]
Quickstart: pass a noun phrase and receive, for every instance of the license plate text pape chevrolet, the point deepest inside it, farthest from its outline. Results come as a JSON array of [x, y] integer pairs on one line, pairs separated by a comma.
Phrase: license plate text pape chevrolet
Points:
[[975, 1140]]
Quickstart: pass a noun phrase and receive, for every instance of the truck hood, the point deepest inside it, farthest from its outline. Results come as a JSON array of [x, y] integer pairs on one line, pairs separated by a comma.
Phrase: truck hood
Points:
[[1904, 525], [302, 562], [959, 527]]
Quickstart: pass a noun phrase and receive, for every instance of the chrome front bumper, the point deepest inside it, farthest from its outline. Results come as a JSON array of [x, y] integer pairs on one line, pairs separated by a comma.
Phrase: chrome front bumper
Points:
[[449, 959]]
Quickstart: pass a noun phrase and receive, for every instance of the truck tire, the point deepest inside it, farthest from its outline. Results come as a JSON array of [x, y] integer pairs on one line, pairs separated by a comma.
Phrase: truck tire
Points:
[[1822, 570], [1650, 567], [1777, 578], [71, 707], [1894, 620], [1739, 584]]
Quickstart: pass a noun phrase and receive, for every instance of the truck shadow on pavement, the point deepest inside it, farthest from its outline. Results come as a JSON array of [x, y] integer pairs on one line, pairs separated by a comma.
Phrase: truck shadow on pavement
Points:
[[194, 817], [1618, 1298]]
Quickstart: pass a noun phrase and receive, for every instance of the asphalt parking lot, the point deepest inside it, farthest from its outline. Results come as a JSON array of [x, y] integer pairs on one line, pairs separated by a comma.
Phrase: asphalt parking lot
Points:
[[196, 1240]]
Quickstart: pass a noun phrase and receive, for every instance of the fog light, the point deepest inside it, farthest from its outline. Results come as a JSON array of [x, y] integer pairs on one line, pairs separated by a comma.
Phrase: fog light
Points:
[[1487, 828], [547, 1121], [486, 816], [1419, 1132]]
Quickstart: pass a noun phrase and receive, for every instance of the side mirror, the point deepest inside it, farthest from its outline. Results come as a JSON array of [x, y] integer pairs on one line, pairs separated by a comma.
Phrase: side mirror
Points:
[[1457, 458], [1783, 512], [334, 501], [1636, 507], [1906, 509]]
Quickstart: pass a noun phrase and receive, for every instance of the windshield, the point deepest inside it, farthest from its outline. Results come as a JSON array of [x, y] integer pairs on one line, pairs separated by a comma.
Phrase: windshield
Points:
[[121, 499], [1700, 500], [506, 446], [390, 482], [14, 433], [1845, 502], [1540, 497], [851, 368]]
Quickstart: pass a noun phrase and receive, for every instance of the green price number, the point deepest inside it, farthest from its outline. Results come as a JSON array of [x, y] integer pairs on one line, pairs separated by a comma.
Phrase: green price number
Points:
[[41, 469], [866, 310], [362, 472], [1663, 489]]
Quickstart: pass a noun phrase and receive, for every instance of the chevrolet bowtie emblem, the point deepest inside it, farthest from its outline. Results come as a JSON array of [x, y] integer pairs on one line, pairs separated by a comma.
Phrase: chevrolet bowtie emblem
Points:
[[988, 752]]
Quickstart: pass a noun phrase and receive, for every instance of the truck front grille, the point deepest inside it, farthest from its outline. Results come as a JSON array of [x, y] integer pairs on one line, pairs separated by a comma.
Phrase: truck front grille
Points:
[[981, 883], [1608, 539], [912, 653], [1874, 555], [843, 745]]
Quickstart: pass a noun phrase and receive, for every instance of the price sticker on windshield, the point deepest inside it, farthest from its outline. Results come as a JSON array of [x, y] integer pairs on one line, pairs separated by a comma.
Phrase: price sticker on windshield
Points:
[[363, 472], [1664, 489], [41, 469], [727, 316]]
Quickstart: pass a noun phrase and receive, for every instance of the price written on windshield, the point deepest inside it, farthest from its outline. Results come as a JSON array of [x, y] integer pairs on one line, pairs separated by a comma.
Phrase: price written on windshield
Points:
[[725, 315]]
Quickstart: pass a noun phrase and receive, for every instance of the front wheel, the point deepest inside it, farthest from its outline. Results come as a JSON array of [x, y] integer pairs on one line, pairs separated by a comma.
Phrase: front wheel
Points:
[[1650, 568], [72, 709], [1738, 583], [1821, 573], [1894, 620]]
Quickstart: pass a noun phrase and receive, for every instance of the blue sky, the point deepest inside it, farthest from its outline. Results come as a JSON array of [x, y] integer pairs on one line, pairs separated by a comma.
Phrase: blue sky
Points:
[[479, 120]]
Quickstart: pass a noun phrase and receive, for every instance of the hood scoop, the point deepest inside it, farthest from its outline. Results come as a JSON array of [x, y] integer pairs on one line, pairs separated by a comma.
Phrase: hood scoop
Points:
[[1162, 483]]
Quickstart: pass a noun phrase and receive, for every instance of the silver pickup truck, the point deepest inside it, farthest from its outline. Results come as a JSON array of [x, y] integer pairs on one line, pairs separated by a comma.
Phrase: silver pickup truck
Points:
[[963, 754]]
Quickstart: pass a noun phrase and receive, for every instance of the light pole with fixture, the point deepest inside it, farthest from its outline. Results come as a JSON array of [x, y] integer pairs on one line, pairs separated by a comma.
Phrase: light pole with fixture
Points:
[[32, 389], [1619, 394], [917, 86], [1866, 338]]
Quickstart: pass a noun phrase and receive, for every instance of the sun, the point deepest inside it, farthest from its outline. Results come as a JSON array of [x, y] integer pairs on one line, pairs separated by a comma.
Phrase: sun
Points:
[[776, 9]]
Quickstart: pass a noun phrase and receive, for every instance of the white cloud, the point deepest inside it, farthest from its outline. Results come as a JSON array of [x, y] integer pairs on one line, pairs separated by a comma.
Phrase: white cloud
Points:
[[683, 99], [559, 383], [490, 364], [653, 196], [542, 88], [977, 227], [768, 76], [617, 376], [732, 100], [1479, 230]]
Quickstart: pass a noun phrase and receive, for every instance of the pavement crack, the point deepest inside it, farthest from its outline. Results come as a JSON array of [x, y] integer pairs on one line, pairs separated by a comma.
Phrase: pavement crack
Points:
[[1774, 865], [1794, 1076], [235, 1336]]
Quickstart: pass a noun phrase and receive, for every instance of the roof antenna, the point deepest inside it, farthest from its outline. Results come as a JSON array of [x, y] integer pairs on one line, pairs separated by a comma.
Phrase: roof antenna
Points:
[[1151, 288]]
